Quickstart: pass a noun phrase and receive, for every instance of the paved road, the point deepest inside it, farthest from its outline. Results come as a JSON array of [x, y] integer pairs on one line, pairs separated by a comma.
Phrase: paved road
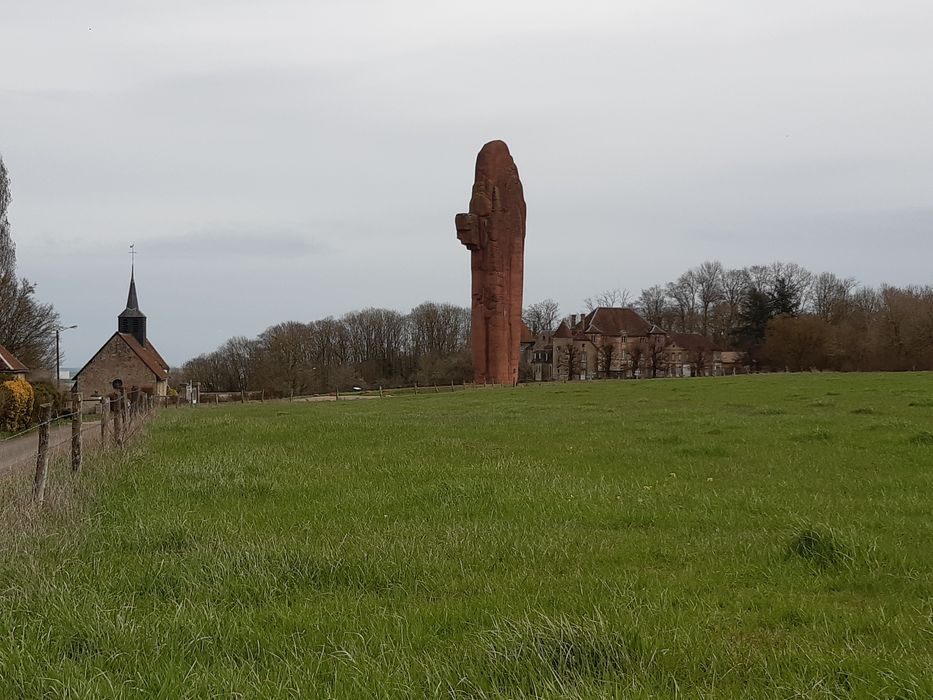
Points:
[[20, 453]]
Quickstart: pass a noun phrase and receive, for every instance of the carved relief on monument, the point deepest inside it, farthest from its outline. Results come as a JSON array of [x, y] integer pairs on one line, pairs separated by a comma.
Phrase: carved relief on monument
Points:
[[494, 232]]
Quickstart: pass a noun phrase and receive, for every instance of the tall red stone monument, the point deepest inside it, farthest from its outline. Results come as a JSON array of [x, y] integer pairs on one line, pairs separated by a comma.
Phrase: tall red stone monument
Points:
[[494, 232]]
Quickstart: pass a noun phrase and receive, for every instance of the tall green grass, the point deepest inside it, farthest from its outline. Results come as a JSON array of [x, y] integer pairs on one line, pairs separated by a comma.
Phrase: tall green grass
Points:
[[763, 537]]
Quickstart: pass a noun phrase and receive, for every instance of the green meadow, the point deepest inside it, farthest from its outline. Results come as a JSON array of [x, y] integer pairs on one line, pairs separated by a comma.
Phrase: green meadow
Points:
[[743, 537]]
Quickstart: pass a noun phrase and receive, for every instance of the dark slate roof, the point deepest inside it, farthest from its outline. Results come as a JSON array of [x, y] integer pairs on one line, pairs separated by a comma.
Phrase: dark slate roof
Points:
[[9, 363], [132, 303], [563, 331]]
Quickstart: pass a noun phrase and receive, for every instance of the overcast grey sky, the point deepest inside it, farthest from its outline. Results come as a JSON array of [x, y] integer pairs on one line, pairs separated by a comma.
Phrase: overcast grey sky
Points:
[[291, 160]]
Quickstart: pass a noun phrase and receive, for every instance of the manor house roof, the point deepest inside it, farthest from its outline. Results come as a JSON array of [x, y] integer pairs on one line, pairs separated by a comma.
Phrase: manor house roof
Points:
[[695, 342], [615, 321]]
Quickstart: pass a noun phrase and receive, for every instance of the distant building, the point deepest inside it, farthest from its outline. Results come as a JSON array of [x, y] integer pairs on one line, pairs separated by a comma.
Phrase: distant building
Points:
[[617, 342], [10, 365], [128, 355]]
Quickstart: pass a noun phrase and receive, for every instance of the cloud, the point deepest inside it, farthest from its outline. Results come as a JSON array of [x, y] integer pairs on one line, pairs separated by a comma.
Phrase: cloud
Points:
[[223, 243]]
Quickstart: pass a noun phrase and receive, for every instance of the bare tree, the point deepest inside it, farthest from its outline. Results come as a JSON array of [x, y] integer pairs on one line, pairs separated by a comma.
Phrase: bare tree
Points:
[[656, 353], [606, 354], [636, 352], [7, 248], [683, 292], [830, 294], [699, 359], [239, 355], [654, 305], [542, 316], [795, 278], [287, 358], [438, 328], [709, 290], [612, 298], [735, 284], [27, 327], [570, 360]]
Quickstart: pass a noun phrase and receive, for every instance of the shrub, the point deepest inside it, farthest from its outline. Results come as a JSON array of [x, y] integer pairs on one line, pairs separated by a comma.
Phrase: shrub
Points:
[[17, 398], [46, 392], [821, 548]]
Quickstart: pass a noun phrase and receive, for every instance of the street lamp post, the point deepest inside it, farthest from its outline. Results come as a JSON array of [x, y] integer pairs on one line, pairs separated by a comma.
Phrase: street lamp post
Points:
[[58, 371]]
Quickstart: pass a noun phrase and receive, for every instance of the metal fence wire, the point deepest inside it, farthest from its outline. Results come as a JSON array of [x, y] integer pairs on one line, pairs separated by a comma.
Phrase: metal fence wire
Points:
[[121, 419]]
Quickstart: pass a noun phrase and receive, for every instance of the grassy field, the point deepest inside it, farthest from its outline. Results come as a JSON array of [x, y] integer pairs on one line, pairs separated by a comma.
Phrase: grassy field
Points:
[[764, 537]]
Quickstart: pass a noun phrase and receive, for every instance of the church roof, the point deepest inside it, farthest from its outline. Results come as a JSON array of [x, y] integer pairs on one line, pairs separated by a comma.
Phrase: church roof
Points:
[[147, 355], [155, 353], [132, 302], [9, 363], [151, 359]]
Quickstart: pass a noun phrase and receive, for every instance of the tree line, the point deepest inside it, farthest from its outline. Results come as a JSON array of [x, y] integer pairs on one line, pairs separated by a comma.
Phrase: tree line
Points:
[[368, 348], [780, 316], [27, 326], [783, 316]]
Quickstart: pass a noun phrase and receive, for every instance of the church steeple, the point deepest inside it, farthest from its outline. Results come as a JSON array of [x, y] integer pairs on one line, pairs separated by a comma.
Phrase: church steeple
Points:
[[131, 301], [132, 320]]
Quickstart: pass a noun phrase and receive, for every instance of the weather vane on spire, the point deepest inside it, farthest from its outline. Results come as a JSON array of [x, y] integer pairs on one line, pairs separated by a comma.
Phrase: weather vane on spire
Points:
[[132, 258]]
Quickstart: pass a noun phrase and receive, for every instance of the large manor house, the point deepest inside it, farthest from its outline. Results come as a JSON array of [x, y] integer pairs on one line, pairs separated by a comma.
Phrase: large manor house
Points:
[[611, 342]]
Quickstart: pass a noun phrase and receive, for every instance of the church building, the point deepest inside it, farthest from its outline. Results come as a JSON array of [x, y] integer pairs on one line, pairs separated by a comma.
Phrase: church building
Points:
[[128, 356]]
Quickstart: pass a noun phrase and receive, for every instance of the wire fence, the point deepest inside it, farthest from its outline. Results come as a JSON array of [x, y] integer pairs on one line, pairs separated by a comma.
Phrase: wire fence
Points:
[[120, 420], [214, 398]]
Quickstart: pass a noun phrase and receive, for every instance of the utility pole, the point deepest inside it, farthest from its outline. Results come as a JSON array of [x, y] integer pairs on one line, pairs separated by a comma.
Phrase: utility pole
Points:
[[58, 357]]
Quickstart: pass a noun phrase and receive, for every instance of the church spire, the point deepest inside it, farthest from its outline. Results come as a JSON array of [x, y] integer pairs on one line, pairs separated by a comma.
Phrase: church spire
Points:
[[131, 301], [132, 320]]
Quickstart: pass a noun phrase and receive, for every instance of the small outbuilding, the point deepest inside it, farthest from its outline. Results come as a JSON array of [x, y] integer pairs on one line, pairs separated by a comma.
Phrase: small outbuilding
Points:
[[10, 365]]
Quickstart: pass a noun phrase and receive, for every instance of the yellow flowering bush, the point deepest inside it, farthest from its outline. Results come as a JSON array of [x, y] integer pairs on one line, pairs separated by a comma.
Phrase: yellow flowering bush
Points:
[[16, 399]]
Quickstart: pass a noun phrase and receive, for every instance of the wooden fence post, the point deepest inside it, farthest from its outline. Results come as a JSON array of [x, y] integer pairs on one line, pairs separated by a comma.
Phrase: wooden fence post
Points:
[[117, 423], [42, 458], [76, 432], [242, 396], [380, 391], [262, 396], [124, 414], [336, 394], [416, 387], [104, 415]]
